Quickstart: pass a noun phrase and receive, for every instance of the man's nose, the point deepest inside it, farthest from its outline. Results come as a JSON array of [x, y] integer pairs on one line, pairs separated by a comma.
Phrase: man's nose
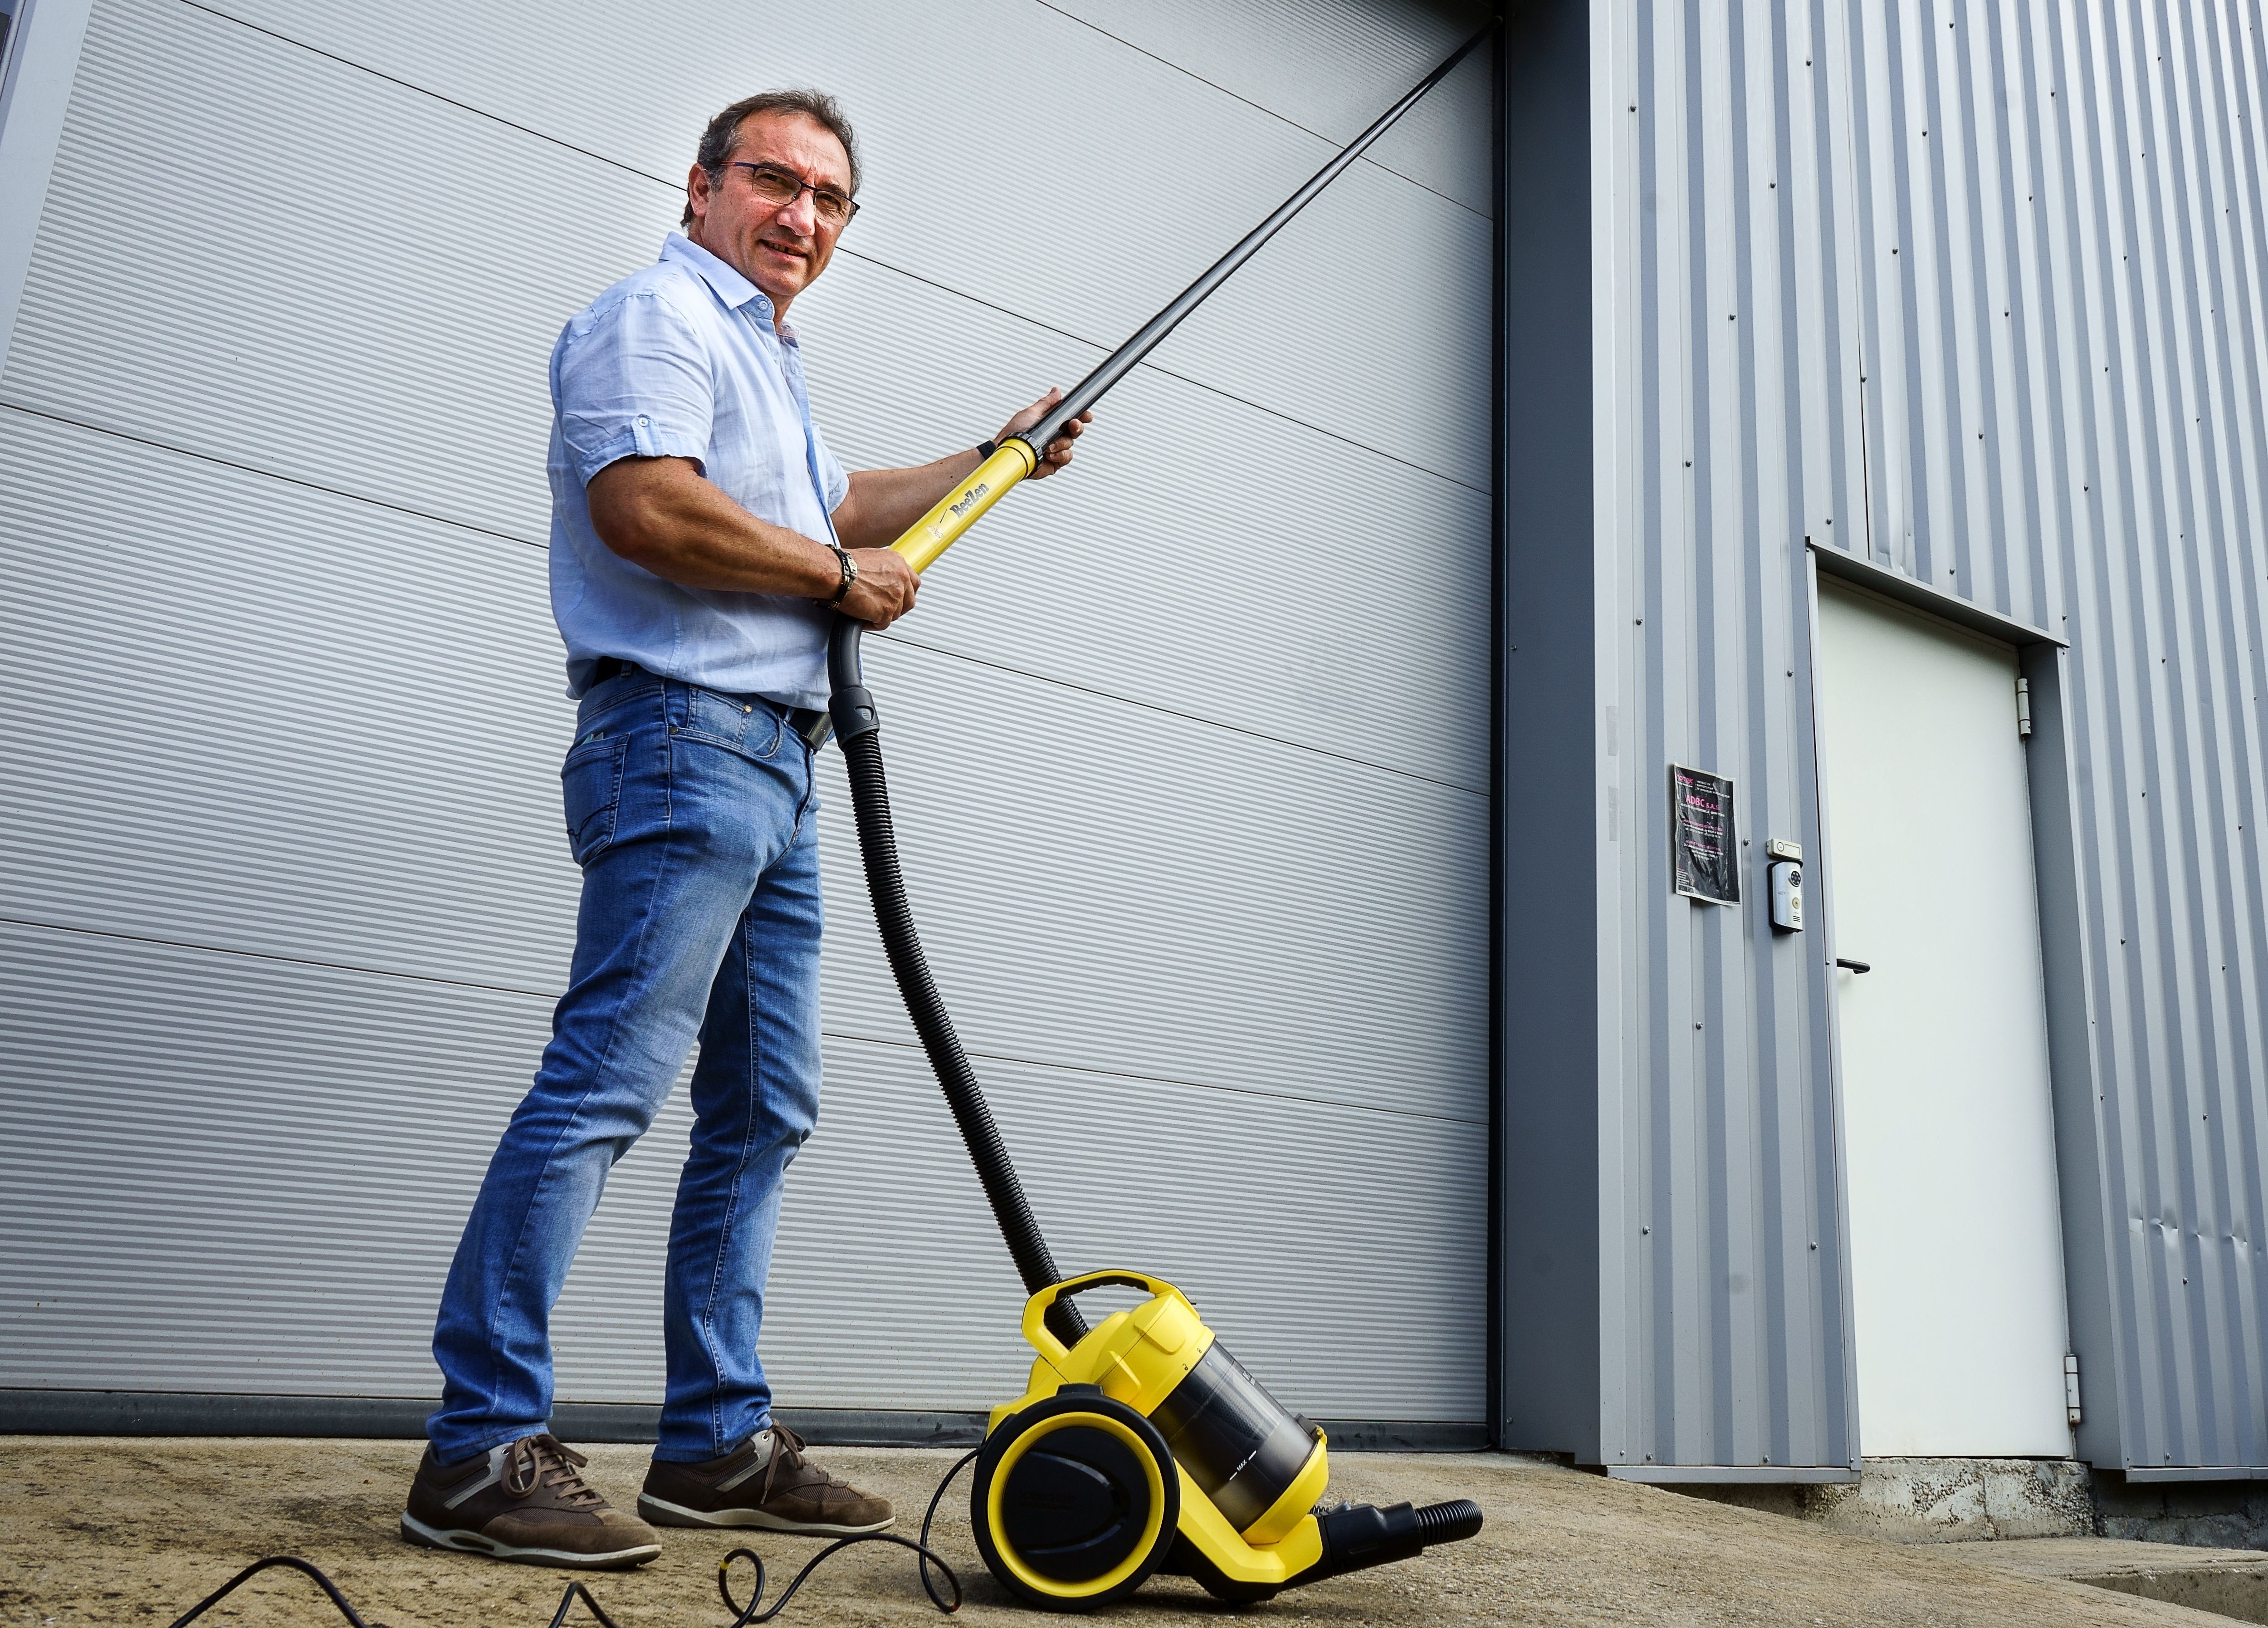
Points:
[[799, 216]]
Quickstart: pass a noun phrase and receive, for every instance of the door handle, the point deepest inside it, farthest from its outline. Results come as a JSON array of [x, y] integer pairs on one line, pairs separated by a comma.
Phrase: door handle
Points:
[[1848, 965]]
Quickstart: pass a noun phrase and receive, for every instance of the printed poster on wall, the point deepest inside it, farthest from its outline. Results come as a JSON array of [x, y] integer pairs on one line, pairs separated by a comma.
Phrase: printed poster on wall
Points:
[[1706, 855]]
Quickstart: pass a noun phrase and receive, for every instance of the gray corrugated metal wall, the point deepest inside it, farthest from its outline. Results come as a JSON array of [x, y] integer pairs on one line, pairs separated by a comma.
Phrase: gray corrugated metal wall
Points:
[[1729, 427], [1982, 286], [2063, 409], [289, 901]]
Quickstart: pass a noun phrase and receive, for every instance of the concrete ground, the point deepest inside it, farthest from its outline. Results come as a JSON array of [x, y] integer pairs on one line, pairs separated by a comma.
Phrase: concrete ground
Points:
[[136, 1530], [2231, 1582]]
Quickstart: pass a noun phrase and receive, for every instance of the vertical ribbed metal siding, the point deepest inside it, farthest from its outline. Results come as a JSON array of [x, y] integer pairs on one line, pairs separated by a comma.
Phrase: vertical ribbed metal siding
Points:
[[1729, 427], [2060, 234], [2037, 233]]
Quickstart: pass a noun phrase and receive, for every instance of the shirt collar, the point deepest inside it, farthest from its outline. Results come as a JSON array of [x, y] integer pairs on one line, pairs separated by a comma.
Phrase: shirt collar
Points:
[[731, 287]]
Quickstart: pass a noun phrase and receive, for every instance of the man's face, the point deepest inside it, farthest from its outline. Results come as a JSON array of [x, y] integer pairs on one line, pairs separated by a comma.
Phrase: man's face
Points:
[[779, 247]]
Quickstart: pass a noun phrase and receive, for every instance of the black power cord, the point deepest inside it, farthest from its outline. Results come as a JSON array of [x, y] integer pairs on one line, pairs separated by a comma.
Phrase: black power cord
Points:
[[743, 1616], [297, 1565]]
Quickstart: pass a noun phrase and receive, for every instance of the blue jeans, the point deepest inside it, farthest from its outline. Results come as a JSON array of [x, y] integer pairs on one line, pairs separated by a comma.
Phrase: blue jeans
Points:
[[692, 815]]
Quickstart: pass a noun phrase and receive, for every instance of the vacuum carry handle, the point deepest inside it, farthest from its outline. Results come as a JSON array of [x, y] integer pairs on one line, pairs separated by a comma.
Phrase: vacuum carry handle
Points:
[[1036, 1309]]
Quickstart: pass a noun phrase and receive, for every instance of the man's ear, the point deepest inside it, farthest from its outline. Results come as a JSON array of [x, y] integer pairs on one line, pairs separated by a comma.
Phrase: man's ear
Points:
[[697, 191]]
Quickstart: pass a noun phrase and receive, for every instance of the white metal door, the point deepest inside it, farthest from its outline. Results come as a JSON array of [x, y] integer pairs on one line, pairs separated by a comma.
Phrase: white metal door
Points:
[[1956, 1259]]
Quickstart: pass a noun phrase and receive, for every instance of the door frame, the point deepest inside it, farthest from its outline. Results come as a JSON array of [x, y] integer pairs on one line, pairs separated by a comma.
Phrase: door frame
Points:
[[2073, 1061]]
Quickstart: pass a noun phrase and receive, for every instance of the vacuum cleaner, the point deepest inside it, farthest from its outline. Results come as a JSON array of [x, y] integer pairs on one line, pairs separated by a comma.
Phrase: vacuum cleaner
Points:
[[1142, 1445]]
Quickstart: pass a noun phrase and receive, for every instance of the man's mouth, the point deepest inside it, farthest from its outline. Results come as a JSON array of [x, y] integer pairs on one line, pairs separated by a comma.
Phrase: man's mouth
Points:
[[777, 247]]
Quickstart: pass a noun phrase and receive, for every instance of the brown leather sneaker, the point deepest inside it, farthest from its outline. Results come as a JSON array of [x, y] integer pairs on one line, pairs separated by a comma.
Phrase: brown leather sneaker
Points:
[[525, 1500], [786, 1493]]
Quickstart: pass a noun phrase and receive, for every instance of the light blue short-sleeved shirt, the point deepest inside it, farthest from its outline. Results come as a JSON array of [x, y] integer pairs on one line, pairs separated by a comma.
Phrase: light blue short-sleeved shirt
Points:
[[681, 360]]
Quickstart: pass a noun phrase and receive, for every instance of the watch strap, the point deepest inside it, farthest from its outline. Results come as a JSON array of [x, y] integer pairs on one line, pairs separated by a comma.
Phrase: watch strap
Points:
[[850, 573]]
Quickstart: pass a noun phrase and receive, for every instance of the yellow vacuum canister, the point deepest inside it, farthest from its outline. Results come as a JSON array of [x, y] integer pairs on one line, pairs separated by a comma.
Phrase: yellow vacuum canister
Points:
[[1147, 1447]]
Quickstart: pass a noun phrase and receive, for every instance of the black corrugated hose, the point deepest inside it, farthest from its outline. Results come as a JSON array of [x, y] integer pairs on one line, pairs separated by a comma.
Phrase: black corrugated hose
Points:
[[858, 732], [1451, 1522]]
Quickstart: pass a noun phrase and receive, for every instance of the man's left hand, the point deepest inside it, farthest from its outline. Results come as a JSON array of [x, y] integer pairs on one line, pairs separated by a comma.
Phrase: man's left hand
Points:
[[1057, 452]]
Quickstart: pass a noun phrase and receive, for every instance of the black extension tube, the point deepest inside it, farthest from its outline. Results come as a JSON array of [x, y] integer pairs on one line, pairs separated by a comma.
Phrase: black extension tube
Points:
[[858, 732]]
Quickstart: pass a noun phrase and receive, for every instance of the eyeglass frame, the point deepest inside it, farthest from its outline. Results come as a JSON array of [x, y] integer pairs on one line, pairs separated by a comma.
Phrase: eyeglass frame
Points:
[[849, 203]]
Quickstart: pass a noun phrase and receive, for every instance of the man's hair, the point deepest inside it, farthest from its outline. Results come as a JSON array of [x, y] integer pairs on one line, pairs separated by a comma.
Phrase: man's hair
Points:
[[724, 132]]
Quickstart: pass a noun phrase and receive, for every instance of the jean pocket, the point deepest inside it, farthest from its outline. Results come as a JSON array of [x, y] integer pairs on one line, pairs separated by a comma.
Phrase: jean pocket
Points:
[[591, 790], [749, 727]]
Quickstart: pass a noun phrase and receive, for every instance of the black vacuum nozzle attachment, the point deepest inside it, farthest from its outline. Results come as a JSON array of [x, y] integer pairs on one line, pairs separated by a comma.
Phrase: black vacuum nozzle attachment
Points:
[[1357, 1536], [1452, 1522]]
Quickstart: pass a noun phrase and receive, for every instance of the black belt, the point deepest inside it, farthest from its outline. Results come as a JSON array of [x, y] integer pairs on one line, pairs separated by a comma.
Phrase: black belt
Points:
[[812, 724]]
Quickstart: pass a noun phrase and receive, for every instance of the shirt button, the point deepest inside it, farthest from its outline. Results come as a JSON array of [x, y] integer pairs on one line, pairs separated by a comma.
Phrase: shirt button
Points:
[[747, 707], [643, 419]]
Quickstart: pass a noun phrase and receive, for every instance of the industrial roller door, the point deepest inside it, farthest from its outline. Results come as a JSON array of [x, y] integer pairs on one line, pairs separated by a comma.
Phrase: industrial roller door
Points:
[[1191, 768]]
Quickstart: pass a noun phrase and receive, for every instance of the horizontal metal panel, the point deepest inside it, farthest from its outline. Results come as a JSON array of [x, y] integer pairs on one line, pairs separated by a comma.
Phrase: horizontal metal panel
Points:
[[282, 337], [226, 1172], [1727, 432], [1079, 238], [1137, 904], [296, 330], [48, 1411], [2061, 232], [1269, 1213], [1110, 887], [278, 1218], [1288, 589], [1732, 1475], [295, 725], [1332, 66]]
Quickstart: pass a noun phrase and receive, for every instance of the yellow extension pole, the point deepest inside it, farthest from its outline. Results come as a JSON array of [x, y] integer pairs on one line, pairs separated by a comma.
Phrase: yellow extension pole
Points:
[[965, 505]]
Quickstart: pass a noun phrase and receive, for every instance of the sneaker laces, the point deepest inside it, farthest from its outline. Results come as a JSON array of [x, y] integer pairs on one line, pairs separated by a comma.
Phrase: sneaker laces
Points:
[[547, 1461], [787, 1446]]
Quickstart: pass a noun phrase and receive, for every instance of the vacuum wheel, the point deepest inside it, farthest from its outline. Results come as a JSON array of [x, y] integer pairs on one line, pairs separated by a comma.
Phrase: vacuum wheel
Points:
[[1075, 1501]]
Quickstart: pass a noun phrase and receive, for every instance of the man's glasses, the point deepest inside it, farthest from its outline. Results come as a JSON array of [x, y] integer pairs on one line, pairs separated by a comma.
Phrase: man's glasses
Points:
[[779, 187]]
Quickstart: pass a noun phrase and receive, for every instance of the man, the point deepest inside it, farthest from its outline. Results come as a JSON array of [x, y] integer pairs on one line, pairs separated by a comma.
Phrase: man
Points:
[[702, 537]]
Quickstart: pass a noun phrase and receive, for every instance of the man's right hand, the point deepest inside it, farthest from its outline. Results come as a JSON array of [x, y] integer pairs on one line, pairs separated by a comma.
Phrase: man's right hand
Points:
[[885, 590]]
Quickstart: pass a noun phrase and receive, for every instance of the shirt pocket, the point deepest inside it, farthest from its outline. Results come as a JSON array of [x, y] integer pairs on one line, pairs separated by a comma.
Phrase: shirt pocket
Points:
[[590, 791]]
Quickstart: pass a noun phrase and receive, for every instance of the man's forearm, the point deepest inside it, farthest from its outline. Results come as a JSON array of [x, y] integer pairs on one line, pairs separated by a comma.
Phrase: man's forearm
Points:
[[663, 515], [883, 503]]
